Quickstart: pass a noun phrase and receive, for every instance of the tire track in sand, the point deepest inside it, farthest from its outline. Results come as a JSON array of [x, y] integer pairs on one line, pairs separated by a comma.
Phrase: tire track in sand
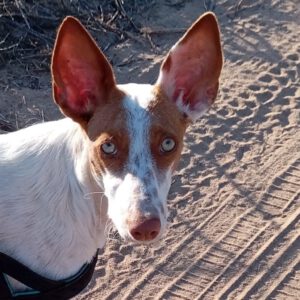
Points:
[[272, 259], [216, 261], [263, 265], [287, 286], [212, 266]]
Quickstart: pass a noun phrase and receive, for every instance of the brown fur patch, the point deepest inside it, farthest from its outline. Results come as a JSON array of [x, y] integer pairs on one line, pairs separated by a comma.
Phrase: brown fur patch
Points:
[[108, 124], [166, 122]]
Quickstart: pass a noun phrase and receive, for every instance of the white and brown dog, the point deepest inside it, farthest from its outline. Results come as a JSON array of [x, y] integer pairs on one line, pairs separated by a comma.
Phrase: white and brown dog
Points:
[[122, 141]]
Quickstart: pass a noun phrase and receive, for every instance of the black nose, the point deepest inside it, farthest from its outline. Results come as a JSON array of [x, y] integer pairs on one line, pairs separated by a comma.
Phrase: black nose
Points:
[[145, 230]]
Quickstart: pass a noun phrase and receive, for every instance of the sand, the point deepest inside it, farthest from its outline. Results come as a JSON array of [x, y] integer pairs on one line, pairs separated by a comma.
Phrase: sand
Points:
[[234, 203]]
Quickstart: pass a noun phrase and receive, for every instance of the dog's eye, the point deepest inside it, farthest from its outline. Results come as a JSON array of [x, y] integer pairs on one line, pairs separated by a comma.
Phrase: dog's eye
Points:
[[167, 145], [109, 148]]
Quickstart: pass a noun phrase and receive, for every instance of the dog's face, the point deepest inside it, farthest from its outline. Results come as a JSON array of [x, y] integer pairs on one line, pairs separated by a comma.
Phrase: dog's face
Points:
[[135, 130], [136, 154]]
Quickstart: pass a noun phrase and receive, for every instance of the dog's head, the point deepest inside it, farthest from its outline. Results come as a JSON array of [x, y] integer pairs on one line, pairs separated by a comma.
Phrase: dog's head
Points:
[[136, 130]]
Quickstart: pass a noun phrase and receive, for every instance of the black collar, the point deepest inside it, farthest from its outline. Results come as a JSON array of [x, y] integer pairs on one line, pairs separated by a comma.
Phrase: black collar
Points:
[[43, 288]]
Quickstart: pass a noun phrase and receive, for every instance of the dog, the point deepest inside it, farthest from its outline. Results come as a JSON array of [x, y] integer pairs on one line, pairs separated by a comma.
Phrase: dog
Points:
[[111, 158]]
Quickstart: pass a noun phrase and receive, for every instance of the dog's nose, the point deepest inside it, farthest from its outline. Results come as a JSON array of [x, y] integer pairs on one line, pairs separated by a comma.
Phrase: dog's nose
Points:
[[147, 230]]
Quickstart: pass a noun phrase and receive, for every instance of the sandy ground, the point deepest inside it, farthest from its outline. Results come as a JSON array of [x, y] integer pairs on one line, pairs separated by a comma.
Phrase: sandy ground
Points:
[[235, 200]]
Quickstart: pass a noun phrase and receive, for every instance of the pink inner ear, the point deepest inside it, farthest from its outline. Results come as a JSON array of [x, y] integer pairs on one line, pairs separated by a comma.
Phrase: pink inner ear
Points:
[[82, 76], [80, 102], [80, 85], [186, 81], [190, 74]]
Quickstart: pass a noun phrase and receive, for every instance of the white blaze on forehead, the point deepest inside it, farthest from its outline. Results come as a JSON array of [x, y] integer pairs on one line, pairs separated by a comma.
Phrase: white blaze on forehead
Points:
[[140, 94], [136, 103]]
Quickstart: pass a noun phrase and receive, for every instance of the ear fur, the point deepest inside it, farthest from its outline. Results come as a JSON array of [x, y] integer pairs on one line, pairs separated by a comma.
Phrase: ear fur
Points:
[[189, 75]]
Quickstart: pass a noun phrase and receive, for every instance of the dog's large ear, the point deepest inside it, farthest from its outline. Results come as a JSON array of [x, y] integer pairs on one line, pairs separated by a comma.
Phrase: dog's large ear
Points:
[[189, 75], [82, 78]]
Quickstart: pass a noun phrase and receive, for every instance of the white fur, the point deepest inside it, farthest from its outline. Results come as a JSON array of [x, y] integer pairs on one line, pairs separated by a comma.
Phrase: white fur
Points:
[[198, 111], [50, 218]]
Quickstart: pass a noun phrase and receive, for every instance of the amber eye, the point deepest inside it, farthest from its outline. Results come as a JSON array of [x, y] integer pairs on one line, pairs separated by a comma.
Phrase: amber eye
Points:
[[167, 145], [109, 148]]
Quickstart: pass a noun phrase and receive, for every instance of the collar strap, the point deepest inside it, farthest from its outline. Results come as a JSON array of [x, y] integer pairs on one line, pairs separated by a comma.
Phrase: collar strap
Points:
[[43, 288]]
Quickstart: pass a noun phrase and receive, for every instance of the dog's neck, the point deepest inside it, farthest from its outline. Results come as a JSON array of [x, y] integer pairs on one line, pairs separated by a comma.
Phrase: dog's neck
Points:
[[53, 232]]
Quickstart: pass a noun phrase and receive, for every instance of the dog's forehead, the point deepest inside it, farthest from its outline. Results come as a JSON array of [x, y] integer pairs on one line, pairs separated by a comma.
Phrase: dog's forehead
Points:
[[136, 104], [145, 103], [124, 113], [149, 112], [138, 96]]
